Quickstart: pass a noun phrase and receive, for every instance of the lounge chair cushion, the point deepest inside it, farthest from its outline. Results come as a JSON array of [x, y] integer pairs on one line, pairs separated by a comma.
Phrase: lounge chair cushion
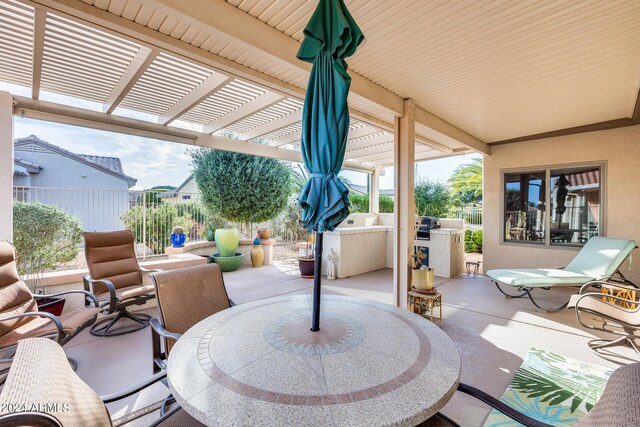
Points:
[[540, 277], [601, 256]]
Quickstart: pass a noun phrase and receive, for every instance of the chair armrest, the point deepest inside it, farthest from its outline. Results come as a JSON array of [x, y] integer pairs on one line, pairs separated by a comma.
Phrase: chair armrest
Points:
[[600, 283], [599, 296], [51, 317], [88, 281], [150, 270], [500, 406], [118, 395], [162, 331], [89, 295]]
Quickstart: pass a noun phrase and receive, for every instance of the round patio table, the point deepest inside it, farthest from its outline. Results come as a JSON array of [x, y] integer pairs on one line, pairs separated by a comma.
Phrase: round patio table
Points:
[[259, 364]]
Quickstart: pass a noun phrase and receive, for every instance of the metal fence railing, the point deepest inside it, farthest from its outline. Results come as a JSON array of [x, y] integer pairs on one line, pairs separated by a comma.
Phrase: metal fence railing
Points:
[[471, 215], [150, 215]]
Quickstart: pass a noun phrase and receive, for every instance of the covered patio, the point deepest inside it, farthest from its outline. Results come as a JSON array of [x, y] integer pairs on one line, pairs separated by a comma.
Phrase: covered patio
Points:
[[546, 93]]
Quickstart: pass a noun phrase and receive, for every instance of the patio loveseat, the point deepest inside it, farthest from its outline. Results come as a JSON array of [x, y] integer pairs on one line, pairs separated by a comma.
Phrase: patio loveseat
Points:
[[599, 259]]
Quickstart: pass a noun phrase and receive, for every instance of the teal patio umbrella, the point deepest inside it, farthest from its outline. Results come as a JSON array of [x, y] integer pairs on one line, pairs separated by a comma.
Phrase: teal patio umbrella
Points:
[[330, 37]]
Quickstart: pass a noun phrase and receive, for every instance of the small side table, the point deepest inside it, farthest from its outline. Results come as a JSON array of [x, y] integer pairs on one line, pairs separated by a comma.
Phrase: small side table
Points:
[[472, 268], [425, 304]]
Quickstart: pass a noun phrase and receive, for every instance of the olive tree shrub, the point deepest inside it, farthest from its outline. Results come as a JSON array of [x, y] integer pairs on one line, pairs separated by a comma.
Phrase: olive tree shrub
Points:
[[45, 237], [241, 188]]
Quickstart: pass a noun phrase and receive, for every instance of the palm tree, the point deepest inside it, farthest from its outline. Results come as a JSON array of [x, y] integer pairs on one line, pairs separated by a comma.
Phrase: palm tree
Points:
[[467, 179]]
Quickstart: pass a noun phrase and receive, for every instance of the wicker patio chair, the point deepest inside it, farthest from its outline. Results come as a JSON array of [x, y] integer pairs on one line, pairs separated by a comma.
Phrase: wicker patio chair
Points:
[[619, 316], [42, 383], [19, 315], [619, 405], [116, 278]]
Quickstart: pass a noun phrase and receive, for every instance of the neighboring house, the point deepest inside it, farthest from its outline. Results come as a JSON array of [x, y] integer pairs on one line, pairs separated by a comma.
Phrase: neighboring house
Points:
[[363, 189], [94, 188], [185, 193]]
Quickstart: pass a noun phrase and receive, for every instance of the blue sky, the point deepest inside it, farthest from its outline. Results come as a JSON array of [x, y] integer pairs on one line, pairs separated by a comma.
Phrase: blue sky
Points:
[[154, 162]]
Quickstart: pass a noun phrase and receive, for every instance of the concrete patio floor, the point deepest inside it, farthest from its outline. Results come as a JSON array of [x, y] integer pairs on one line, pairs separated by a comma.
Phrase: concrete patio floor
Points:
[[493, 334]]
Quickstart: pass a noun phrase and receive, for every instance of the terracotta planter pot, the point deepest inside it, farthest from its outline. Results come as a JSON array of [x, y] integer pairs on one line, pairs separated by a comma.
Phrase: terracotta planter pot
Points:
[[306, 266], [264, 233], [51, 305]]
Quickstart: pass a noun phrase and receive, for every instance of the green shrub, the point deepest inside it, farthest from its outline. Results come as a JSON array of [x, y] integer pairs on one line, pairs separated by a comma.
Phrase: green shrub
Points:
[[239, 187], [432, 198], [360, 203], [160, 221], [472, 240], [45, 236]]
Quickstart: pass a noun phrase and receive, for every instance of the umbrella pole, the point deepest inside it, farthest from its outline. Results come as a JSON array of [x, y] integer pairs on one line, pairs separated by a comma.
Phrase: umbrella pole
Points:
[[317, 278]]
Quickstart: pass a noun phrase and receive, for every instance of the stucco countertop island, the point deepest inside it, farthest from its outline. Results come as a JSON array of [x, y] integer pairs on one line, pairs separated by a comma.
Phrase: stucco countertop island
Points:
[[258, 364]]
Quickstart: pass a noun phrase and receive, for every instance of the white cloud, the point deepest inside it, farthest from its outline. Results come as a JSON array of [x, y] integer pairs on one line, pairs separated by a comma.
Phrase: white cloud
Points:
[[151, 161]]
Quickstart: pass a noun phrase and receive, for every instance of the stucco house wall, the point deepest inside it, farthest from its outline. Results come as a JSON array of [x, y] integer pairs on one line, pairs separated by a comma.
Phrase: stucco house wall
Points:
[[94, 194], [618, 149], [62, 172]]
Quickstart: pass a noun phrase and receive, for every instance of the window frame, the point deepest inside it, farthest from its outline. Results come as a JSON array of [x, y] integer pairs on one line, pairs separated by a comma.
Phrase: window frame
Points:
[[547, 201]]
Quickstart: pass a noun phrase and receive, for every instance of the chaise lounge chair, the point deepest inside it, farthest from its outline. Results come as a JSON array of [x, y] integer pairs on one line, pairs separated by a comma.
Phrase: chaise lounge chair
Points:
[[599, 259]]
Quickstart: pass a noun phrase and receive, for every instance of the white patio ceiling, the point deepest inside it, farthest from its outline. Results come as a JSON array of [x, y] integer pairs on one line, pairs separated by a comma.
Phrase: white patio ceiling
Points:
[[53, 52], [478, 70]]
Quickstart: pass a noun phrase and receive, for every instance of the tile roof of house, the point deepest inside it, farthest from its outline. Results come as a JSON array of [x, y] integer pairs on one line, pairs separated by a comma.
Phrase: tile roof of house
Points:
[[110, 165], [26, 165], [20, 171], [170, 194]]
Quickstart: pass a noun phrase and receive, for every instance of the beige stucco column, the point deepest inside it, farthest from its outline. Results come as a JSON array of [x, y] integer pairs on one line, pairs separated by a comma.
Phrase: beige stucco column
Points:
[[404, 201], [374, 191], [6, 166]]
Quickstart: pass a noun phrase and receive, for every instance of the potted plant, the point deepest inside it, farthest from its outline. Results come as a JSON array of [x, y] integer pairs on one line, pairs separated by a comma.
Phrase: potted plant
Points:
[[306, 263], [35, 280], [264, 233], [178, 237]]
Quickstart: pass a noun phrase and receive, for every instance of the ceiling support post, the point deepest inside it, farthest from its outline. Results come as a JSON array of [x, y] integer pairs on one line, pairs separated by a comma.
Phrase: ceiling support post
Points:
[[404, 202], [6, 166]]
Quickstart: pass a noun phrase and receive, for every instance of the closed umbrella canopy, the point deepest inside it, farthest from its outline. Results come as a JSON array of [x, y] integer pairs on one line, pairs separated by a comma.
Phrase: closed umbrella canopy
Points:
[[330, 37]]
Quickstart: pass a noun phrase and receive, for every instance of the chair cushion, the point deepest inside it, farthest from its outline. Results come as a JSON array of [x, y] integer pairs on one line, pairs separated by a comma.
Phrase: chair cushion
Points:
[[601, 256], [188, 295], [40, 373], [129, 292], [111, 256], [540, 277], [15, 296], [40, 326]]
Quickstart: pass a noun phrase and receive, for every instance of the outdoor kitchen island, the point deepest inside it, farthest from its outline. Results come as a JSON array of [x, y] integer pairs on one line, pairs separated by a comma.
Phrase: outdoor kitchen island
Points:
[[364, 243]]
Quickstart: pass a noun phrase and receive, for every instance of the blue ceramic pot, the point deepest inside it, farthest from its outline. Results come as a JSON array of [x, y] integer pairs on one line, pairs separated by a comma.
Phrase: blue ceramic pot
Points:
[[177, 240]]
